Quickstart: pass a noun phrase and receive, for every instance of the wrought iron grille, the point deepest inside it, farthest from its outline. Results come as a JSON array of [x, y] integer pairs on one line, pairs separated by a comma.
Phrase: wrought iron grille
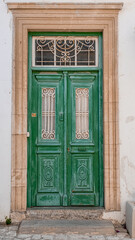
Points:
[[65, 51], [48, 113], [82, 113]]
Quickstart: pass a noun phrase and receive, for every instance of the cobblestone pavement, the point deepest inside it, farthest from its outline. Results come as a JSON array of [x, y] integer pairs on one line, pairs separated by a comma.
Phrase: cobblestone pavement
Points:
[[11, 233]]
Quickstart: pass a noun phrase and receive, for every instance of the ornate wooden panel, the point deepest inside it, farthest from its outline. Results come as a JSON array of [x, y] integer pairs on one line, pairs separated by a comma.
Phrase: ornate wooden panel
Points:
[[82, 173], [47, 140], [83, 138], [65, 139]]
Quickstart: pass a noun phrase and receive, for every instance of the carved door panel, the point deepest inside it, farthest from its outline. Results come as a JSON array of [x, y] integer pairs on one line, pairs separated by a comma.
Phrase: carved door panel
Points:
[[64, 131], [83, 114], [47, 140]]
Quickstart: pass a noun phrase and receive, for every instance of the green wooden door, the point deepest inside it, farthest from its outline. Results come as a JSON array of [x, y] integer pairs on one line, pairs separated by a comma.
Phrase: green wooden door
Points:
[[64, 139], [47, 140], [83, 162]]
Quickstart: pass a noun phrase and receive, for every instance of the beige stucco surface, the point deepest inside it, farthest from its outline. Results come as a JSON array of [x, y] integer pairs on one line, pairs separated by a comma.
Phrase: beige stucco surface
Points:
[[126, 86]]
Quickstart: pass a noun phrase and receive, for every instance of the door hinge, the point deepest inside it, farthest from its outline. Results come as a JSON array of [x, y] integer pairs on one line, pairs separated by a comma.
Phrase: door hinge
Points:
[[28, 134]]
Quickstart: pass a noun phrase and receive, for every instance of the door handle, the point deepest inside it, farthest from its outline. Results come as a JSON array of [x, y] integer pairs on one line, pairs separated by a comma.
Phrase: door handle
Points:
[[82, 149], [61, 116]]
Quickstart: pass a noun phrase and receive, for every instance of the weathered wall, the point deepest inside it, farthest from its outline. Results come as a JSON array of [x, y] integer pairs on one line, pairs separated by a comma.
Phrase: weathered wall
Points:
[[5, 109], [126, 50]]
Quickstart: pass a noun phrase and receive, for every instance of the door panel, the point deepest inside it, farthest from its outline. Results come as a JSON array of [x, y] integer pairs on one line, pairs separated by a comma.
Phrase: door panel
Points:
[[83, 138], [82, 173], [48, 180], [48, 142], [50, 105], [82, 180], [65, 144]]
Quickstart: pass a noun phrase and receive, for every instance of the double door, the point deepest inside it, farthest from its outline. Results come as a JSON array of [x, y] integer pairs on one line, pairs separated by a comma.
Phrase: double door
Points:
[[64, 139]]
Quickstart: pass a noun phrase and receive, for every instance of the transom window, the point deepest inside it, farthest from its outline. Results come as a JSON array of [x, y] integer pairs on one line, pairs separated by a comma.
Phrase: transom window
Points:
[[65, 51]]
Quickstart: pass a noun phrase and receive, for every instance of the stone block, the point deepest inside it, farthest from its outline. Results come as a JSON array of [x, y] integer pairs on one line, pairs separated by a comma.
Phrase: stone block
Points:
[[130, 218], [63, 226]]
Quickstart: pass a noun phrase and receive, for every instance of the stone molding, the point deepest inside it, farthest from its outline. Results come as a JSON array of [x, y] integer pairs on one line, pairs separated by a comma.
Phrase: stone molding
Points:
[[65, 18], [42, 5]]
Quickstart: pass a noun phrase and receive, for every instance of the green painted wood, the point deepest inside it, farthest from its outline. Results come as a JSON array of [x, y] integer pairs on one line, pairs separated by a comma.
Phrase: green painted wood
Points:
[[74, 167], [84, 166], [65, 203], [47, 154]]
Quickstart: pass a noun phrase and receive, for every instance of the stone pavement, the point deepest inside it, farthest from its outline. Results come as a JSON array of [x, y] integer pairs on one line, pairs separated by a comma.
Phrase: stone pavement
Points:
[[11, 233]]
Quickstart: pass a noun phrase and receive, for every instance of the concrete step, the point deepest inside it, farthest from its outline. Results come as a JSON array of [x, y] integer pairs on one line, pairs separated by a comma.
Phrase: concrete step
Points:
[[83, 227], [64, 213]]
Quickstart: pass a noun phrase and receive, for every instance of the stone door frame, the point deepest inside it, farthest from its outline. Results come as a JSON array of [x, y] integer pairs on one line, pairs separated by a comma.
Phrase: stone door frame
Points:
[[65, 17]]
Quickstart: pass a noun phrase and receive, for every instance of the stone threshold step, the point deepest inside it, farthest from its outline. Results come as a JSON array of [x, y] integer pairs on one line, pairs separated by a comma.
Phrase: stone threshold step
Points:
[[64, 213], [84, 227]]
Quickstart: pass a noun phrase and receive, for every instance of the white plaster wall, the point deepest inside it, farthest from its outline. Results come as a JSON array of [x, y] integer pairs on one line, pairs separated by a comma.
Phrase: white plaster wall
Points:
[[126, 54], [5, 110], [127, 101]]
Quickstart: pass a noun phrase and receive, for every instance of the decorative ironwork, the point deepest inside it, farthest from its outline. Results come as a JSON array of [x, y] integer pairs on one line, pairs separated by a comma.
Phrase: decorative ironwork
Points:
[[48, 113], [82, 113], [65, 51]]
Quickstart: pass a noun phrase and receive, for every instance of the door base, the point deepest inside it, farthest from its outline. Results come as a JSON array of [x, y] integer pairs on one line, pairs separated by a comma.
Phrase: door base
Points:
[[79, 213], [65, 213]]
